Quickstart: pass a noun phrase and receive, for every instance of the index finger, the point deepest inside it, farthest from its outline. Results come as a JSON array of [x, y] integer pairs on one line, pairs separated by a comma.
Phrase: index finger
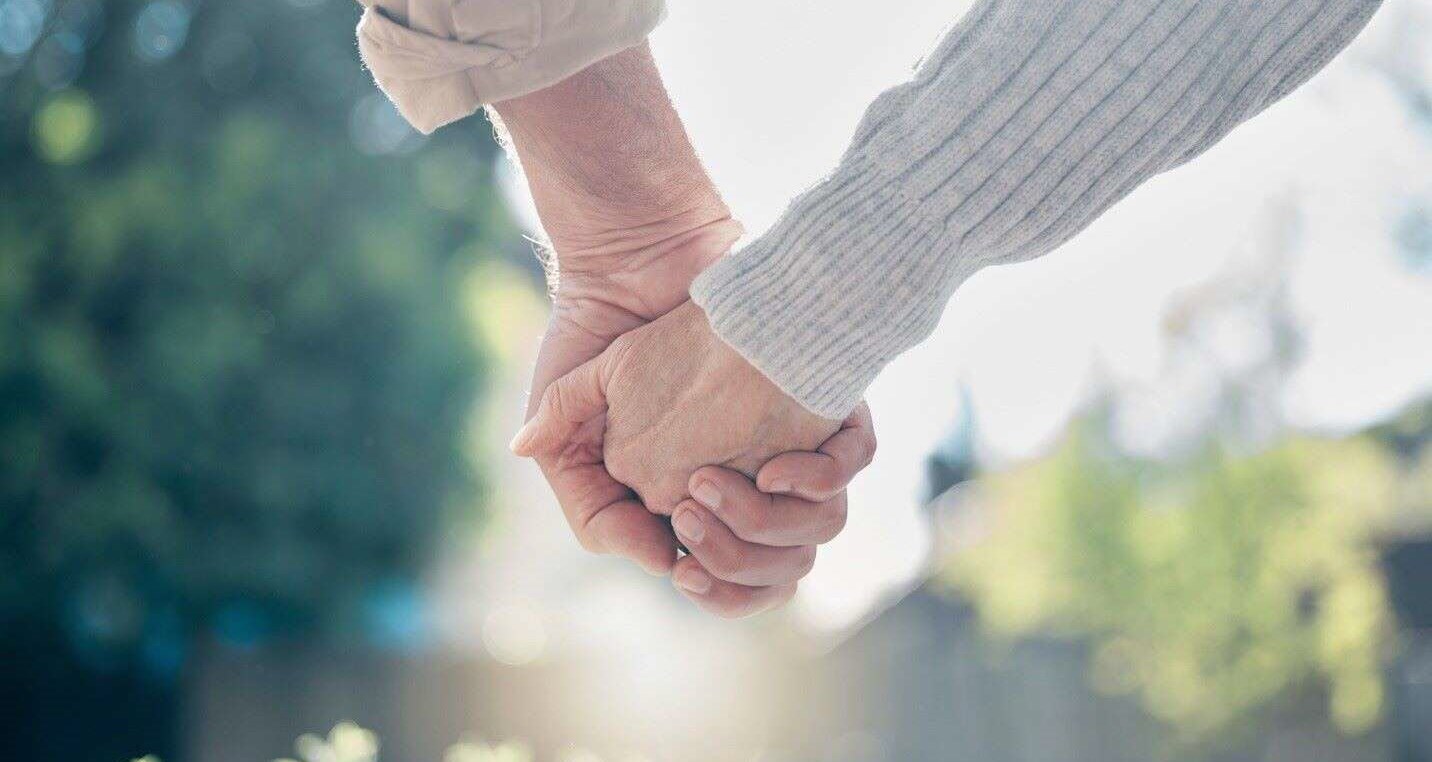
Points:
[[821, 475], [606, 517]]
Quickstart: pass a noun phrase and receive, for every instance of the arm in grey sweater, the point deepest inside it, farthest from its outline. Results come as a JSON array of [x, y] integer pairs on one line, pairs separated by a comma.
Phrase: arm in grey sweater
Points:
[[1030, 119]]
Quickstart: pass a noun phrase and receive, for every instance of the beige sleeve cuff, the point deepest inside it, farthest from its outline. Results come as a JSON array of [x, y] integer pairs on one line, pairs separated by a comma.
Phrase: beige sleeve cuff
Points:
[[441, 60]]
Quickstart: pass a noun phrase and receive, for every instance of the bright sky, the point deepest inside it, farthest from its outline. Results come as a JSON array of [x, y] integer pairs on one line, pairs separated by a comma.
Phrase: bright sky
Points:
[[771, 93]]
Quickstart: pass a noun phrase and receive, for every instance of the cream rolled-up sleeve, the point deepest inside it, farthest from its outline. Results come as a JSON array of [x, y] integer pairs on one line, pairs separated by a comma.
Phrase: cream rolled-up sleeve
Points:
[[441, 60]]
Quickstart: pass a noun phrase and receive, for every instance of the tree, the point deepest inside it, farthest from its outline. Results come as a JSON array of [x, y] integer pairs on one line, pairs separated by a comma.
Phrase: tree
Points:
[[234, 368]]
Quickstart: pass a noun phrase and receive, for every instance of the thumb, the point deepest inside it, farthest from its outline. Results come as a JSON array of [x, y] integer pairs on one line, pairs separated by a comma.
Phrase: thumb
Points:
[[567, 403]]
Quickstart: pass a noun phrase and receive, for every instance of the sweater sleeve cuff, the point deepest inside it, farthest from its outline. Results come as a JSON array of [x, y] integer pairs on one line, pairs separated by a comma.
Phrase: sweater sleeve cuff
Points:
[[441, 60], [852, 275]]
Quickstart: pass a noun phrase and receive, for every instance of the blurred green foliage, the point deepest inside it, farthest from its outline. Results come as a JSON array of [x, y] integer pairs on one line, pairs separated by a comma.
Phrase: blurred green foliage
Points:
[[1210, 586], [235, 365]]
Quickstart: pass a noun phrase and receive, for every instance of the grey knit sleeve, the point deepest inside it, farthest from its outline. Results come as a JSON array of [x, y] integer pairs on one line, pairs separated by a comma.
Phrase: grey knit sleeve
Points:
[[1030, 119]]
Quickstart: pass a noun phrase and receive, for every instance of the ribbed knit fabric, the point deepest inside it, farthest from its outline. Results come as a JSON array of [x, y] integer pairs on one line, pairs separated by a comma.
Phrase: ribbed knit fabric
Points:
[[1030, 119]]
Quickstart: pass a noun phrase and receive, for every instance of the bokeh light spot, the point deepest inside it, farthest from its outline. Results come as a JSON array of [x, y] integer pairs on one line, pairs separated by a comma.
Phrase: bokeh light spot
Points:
[[378, 129], [514, 635], [21, 22], [66, 129], [160, 30], [503, 307]]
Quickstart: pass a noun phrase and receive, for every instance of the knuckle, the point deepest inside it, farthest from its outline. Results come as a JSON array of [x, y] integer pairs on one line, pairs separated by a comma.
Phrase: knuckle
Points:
[[621, 346], [871, 445], [723, 563], [629, 467], [751, 525], [622, 466], [825, 483], [552, 401]]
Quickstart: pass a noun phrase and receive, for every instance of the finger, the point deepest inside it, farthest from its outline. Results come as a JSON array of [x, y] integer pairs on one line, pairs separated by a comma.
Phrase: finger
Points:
[[606, 517], [603, 513], [567, 404], [729, 558], [756, 517], [564, 348], [823, 474], [725, 599], [629, 530]]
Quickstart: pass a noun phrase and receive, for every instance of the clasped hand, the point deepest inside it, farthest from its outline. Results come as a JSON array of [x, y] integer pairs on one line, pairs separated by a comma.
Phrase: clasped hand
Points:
[[669, 420], [647, 426]]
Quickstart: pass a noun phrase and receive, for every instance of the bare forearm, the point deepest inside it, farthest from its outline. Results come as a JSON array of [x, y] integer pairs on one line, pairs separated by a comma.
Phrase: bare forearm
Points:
[[610, 165]]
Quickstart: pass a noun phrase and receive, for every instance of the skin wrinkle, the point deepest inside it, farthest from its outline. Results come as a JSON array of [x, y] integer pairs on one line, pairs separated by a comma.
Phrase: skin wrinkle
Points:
[[597, 277], [675, 379], [620, 267], [576, 313], [607, 257], [623, 152], [1058, 97]]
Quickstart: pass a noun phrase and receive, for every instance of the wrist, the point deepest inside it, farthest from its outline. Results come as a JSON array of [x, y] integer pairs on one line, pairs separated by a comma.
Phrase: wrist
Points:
[[629, 211], [649, 271]]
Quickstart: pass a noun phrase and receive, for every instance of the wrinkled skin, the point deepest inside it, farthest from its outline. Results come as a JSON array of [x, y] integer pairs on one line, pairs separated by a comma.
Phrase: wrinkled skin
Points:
[[679, 398], [671, 412], [633, 218]]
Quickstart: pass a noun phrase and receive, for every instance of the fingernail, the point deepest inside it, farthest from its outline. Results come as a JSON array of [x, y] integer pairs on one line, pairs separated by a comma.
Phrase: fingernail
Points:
[[694, 580], [780, 485], [524, 435], [689, 526], [707, 495]]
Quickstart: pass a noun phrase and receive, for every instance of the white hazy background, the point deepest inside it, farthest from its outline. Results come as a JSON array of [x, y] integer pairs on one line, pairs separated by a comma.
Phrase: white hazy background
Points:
[[771, 92]]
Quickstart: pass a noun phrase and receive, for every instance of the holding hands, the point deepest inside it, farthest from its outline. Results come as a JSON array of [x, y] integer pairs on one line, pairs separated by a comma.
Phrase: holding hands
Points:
[[679, 422], [652, 432]]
